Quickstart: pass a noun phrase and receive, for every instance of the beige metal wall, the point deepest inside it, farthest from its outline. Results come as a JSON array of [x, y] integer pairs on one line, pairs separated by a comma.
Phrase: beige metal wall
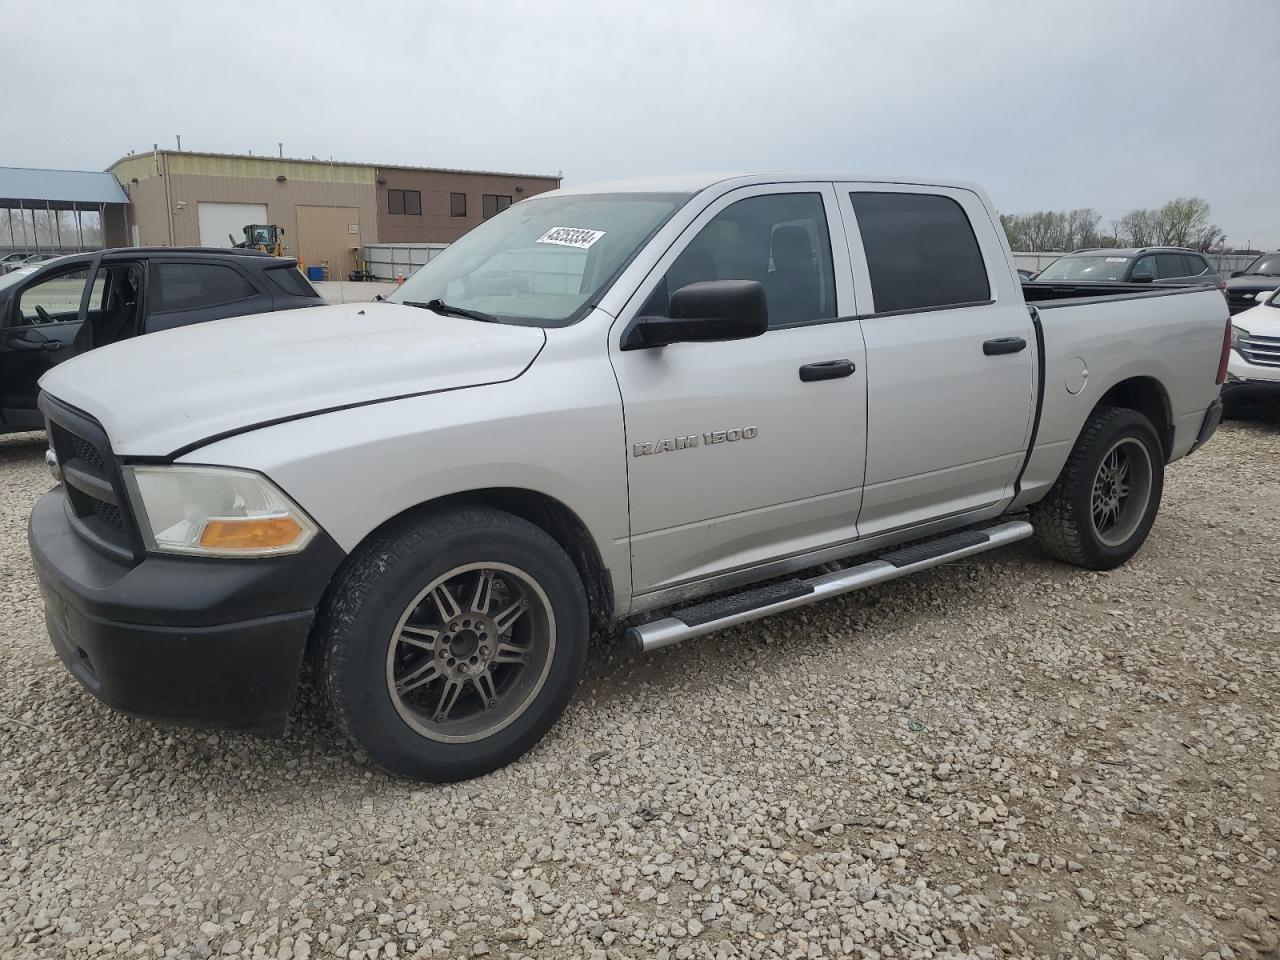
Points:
[[170, 186], [325, 239], [147, 211], [435, 224], [283, 201], [166, 189]]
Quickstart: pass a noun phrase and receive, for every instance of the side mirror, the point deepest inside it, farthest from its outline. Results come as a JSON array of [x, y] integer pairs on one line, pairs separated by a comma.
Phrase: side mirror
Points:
[[1236, 273], [705, 311], [1142, 277]]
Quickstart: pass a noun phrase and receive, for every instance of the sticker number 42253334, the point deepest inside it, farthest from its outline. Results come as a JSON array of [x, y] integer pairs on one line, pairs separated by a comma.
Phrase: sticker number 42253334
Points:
[[579, 237]]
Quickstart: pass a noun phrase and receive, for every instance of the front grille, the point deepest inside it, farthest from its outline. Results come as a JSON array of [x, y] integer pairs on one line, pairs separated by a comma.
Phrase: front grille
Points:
[[88, 453], [1261, 351], [96, 501]]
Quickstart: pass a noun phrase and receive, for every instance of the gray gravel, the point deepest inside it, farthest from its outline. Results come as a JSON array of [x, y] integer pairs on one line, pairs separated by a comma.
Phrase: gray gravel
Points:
[[1002, 758]]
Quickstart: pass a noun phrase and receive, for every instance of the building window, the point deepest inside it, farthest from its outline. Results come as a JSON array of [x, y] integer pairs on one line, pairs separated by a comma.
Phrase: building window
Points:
[[405, 201], [494, 203], [457, 204]]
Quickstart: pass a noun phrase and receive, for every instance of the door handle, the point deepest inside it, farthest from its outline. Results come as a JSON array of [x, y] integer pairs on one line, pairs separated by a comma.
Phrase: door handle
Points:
[[1001, 345], [826, 370]]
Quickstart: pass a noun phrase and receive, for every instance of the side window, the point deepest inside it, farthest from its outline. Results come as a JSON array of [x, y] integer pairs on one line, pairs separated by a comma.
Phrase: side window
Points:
[[54, 300], [183, 286], [1169, 265], [492, 204], [921, 251], [405, 202], [1145, 265], [291, 281], [780, 240]]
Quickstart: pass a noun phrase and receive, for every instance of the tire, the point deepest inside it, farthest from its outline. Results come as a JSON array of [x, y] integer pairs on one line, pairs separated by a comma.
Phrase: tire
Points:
[[1077, 527], [511, 669]]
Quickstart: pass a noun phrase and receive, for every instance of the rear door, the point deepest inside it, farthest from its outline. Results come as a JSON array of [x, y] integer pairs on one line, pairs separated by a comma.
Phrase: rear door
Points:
[[950, 354], [186, 291]]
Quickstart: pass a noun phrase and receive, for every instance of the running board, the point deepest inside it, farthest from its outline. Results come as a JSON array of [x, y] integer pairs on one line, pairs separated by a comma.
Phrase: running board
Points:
[[712, 615]]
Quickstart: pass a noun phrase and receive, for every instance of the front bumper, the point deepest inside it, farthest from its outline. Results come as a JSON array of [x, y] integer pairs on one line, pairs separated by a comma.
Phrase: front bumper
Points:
[[1248, 381], [206, 642]]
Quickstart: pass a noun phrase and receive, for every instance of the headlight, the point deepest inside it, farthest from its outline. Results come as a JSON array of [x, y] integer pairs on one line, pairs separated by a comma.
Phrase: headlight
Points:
[[216, 511], [1236, 334]]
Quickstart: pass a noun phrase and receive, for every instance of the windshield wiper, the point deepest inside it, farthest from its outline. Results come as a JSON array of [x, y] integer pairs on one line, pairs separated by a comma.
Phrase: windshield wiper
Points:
[[439, 306]]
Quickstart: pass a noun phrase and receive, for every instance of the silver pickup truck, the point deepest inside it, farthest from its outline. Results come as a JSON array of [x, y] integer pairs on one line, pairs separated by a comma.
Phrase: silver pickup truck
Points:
[[668, 406]]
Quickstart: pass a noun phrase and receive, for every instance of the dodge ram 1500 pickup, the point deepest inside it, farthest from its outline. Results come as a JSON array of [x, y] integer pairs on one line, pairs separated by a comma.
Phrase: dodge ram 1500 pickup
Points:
[[670, 406]]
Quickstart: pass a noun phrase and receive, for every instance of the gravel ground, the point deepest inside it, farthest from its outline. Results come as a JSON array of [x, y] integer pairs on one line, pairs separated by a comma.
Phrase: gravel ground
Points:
[[1001, 758]]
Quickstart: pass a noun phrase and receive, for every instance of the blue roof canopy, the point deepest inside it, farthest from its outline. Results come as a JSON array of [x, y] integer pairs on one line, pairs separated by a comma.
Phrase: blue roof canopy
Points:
[[58, 187]]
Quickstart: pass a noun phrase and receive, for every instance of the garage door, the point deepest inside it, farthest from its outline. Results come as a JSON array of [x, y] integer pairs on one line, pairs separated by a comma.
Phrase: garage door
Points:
[[219, 222], [329, 237]]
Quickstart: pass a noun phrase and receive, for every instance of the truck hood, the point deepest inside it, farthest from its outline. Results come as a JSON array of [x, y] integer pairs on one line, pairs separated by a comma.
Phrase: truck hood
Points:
[[1253, 283], [173, 390]]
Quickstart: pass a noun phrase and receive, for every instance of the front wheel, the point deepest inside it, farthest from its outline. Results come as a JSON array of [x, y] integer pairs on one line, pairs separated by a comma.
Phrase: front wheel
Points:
[[1100, 510], [453, 644]]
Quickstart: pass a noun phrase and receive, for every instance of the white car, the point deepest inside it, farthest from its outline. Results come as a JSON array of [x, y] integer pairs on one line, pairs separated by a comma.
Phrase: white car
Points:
[[1253, 371]]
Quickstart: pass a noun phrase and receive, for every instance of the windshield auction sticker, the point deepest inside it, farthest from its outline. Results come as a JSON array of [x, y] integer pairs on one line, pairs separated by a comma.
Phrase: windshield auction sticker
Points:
[[579, 237]]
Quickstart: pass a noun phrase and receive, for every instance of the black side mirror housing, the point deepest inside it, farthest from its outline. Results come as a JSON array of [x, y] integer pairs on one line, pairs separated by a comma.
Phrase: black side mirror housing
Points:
[[1236, 273], [706, 311], [1142, 277]]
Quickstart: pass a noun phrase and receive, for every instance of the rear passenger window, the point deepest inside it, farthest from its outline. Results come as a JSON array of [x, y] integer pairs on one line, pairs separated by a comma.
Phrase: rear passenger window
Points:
[[780, 240], [1170, 265], [291, 281], [184, 286], [921, 251]]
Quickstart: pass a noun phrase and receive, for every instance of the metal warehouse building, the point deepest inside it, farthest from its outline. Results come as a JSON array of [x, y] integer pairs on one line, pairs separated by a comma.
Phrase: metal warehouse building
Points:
[[329, 211]]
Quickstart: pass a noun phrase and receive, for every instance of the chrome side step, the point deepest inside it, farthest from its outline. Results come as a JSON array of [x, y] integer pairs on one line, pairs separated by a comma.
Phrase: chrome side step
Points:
[[712, 615]]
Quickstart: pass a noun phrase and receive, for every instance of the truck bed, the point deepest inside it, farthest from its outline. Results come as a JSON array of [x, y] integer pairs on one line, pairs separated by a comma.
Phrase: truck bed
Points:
[[1042, 293]]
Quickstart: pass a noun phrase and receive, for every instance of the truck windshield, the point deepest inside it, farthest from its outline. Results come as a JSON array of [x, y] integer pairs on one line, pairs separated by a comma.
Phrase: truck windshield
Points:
[[1085, 268], [543, 261], [1267, 265]]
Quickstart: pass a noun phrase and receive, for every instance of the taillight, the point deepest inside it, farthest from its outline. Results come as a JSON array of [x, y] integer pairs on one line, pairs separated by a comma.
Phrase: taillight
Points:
[[1226, 354]]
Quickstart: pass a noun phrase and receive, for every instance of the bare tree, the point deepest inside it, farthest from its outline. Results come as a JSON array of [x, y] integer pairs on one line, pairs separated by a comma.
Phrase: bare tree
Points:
[[1140, 228], [1184, 222]]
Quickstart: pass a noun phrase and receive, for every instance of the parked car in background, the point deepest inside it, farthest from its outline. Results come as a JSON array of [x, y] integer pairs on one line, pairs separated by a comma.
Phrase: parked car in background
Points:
[[82, 301], [1253, 373], [36, 259], [599, 406], [1252, 285], [1162, 265], [11, 261]]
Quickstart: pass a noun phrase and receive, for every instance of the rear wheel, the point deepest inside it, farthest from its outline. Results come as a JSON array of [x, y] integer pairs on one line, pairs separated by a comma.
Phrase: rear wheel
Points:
[[453, 644], [1100, 510]]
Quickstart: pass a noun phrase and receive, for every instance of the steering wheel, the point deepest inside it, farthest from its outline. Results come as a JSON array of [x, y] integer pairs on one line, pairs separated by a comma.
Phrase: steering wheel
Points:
[[43, 314]]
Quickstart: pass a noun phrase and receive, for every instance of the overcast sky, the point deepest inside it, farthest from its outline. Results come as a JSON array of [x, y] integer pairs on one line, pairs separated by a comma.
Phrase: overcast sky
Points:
[[1050, 105]]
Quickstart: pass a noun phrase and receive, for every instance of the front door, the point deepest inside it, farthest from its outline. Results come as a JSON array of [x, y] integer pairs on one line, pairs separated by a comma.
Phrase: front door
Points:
[[39, 330], [950, 354], [744, 451]]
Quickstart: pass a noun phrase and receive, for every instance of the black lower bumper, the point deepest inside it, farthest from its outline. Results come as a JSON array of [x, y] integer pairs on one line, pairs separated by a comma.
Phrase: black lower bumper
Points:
[[1243, 391], [207, 642]]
